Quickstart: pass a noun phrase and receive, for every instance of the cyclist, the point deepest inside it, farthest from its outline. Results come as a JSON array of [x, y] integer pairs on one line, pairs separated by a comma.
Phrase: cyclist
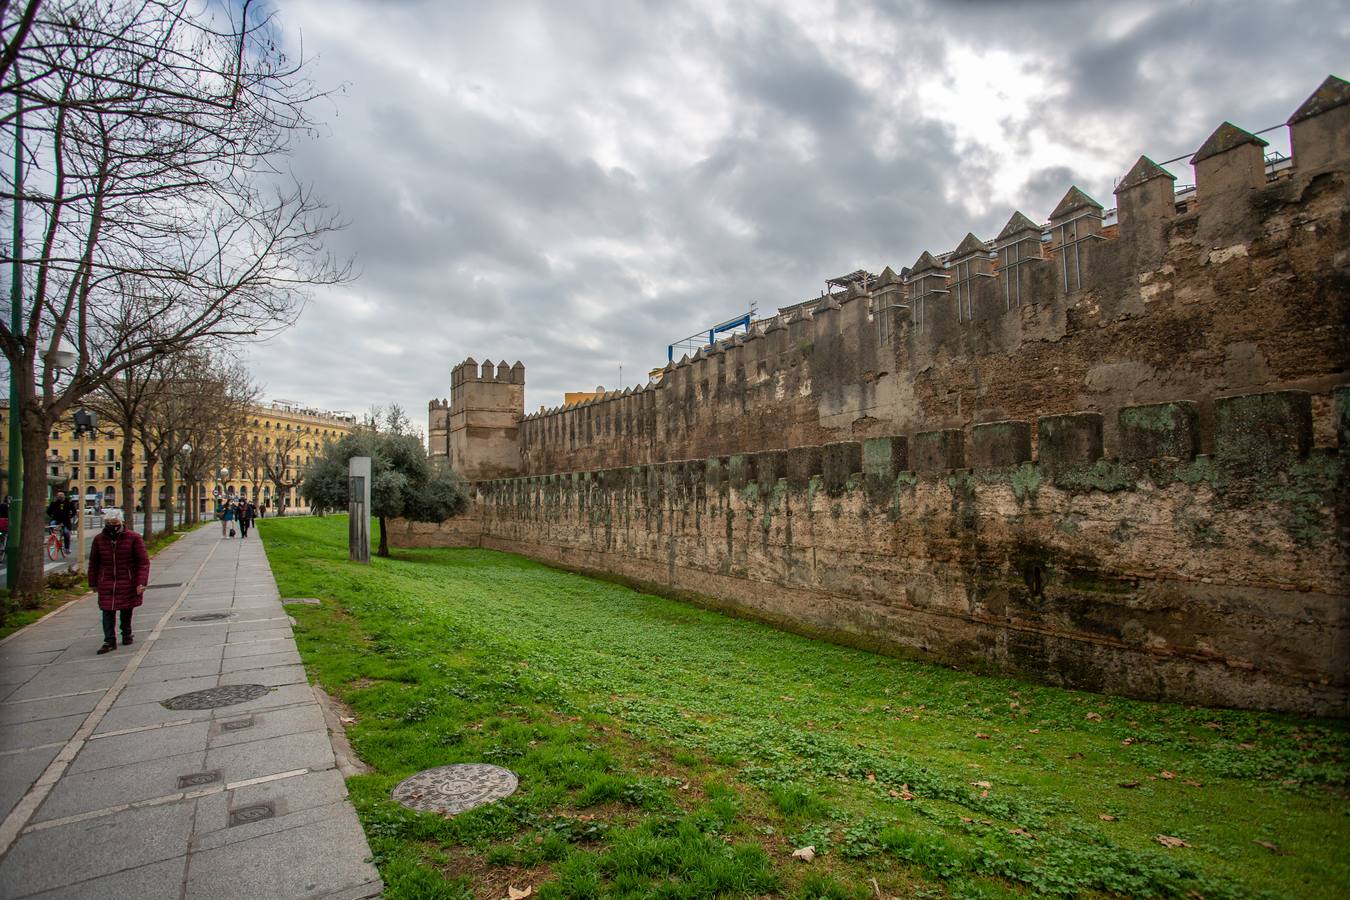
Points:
[[62, 512]]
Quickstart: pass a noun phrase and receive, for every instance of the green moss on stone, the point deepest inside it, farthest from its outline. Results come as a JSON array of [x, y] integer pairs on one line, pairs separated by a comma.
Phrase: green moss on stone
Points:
[[1026, 482], [1103, 475]]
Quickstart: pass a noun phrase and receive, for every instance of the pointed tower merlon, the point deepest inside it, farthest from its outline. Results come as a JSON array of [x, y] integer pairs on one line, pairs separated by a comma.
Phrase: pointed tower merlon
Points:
[[1019, 248], [1229, 160], [1076, 222], [1319, 130], [927, 286], [1145, 204], [969, 263]]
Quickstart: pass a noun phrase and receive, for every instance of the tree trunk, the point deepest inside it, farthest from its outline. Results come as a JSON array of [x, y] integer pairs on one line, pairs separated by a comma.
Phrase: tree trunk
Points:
[[170, 499], [29, 577], [384, 538], [128, 497], [148, 529]]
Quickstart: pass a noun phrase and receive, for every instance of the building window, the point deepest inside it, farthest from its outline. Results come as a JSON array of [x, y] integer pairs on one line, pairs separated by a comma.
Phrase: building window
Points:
[[56, 471], [111, 472], [92, 476], [110, 455], [74, 473], [74, 454]]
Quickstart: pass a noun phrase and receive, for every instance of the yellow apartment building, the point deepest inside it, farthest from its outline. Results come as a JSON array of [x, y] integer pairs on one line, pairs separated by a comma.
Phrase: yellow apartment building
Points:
[[286, 435]]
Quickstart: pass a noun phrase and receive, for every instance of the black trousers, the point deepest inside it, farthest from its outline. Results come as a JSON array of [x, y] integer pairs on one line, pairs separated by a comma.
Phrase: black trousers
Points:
[[243, 527], [110, 619]]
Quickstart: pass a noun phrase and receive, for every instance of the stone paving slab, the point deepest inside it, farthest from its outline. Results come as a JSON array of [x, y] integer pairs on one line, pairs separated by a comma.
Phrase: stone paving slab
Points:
[[91, 759]]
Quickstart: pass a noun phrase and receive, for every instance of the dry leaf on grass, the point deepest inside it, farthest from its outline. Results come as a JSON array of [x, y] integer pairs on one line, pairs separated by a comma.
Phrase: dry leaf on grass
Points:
[[1094, 717], [1166, 774], [981, 784], [1106, 817], [347, 720], [981, 735], [1268, 845], [1168, 841], [1129, 784], [872, 776], [1192, 783], [805, 854], [1023, 832], [515, 893]]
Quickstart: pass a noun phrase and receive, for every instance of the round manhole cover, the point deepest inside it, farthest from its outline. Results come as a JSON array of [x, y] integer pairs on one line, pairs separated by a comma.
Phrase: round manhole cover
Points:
[[225, 695], [455, 789], [206, 617]]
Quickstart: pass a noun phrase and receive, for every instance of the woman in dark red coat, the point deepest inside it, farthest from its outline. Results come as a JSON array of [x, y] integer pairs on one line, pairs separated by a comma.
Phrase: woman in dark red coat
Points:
[[119, 569]]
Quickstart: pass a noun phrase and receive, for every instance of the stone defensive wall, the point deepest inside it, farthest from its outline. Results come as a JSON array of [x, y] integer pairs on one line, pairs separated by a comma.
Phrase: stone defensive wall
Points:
[[1108, 455], [1201, 578]]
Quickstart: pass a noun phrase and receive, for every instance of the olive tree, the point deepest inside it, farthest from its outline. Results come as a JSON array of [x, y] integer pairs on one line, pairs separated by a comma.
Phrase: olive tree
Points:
[[404, 482]]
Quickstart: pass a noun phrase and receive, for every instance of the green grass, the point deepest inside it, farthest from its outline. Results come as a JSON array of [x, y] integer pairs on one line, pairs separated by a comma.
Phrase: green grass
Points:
[[667, 751]]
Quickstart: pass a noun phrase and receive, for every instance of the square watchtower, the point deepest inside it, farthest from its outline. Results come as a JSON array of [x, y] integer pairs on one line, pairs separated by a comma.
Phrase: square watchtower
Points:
[[486, 406]]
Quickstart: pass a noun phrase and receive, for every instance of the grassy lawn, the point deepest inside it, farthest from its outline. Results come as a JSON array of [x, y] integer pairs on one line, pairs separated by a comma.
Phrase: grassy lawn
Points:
[[667, 751]]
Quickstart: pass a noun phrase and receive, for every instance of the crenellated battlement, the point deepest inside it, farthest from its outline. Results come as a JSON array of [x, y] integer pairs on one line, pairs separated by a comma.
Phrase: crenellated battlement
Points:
[[1102, 307]]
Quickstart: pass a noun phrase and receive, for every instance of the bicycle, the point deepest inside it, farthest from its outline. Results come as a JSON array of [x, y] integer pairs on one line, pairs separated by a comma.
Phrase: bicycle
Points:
[[56, 545]]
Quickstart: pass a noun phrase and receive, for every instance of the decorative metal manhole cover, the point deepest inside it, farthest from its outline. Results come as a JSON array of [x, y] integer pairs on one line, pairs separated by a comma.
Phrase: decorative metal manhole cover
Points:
[[454, 789], [255, 813], [206, 617], [211, 698], [196, 779]]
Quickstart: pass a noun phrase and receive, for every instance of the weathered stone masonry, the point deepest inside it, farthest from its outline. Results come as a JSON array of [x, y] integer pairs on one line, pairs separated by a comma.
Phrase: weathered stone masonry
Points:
[[896, 469]]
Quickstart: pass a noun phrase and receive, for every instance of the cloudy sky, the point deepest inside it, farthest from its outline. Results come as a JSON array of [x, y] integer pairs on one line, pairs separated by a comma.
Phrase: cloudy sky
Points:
[[576, 184]]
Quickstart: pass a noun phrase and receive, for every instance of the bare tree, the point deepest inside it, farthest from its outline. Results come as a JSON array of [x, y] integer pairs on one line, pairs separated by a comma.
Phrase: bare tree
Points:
[[149, 143], [283, 464]]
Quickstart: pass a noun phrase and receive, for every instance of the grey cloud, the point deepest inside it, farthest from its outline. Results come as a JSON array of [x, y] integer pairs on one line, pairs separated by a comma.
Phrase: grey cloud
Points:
[[490, 218]]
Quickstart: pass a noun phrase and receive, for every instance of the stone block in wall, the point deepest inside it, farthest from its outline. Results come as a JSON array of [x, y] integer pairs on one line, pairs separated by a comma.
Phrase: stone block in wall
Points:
[[803, 463], [1064, 442], [1260, 431], [1341, 403], [770, 465], [1000, 445], [838, 461], [882, 459], [1158, 430], [740, 471], [938, 451]]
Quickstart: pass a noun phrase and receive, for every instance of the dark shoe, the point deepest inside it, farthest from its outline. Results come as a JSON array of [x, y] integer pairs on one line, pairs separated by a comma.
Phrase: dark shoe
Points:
[[128, 640], [106, 648]]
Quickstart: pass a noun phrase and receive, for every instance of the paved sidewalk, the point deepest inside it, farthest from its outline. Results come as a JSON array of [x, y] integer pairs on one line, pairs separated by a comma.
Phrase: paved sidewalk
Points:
[[105, 792]]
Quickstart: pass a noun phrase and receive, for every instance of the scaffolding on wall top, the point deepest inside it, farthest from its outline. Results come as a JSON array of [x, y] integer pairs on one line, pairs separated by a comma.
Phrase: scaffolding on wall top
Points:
[[706, 338]]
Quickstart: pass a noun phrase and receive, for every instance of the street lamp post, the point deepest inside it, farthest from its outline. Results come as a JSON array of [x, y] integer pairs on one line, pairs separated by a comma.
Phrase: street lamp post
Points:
[[16, 328], [85, 422]]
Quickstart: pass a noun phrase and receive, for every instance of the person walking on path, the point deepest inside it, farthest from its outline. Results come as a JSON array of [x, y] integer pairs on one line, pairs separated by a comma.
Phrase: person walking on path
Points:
[[119, 569], [246, 515], [227, 519]]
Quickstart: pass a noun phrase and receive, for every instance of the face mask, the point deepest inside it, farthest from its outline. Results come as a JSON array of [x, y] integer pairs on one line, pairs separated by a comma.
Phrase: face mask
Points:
[[112, 529]]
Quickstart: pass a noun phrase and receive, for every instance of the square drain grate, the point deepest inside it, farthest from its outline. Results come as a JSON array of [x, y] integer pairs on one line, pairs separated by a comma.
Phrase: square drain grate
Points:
[[245, 815], [197, 779], [237, 724]]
